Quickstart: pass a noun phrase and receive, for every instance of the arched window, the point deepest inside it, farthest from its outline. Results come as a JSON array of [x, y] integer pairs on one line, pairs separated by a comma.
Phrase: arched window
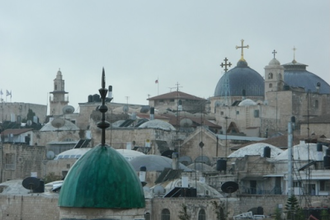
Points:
[[270, 85], [202, 215], [165, 214], [316, 103], [147, 216], [270, 75], [280, 76]]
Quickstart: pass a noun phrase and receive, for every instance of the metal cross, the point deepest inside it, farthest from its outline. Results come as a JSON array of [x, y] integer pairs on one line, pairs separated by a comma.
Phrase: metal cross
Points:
[[225, 64], [274, 52], [242, 47], [294, 53]]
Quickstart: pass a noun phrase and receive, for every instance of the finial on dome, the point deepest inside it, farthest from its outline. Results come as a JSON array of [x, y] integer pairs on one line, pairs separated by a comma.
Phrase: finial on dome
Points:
[[274, 52], [294, 55], [225, 64], [242, 47], [103, 124]]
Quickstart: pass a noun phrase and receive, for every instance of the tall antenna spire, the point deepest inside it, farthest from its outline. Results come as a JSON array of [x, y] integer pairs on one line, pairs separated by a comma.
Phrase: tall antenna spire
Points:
[[103, 124]]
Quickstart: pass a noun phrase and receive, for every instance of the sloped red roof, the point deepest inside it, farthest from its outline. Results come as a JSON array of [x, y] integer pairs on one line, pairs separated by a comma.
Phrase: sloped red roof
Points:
[[175, 95]]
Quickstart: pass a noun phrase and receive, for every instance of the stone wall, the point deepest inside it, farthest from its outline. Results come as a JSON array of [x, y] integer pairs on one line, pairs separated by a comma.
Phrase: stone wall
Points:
[[29, 207], [18, 161], [21, 109], [42, 206]]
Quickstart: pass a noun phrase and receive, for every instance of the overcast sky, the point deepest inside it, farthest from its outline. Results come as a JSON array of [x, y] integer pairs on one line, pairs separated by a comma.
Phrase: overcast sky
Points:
[[138, 42]]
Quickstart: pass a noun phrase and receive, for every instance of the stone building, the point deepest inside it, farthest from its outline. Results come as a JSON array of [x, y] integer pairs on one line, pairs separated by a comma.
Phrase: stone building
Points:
[[286, 90]]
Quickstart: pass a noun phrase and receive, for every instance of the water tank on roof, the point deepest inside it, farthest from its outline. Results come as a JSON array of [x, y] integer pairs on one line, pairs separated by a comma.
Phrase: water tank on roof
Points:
[[267, 152], [90, 98], [96, 98], [221, 165]]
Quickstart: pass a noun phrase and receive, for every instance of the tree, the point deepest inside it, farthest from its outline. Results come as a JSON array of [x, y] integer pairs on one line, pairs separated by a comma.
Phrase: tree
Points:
[[183, 214], [325, 214], [219, 210], [292, 208]]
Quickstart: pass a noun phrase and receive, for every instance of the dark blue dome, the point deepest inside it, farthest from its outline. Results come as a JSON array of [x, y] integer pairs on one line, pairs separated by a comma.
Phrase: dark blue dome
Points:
[[296, 75], [240, 78]]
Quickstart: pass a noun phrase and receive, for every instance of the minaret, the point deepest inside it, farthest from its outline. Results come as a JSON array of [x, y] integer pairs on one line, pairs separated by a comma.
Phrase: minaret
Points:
[[58, 98]]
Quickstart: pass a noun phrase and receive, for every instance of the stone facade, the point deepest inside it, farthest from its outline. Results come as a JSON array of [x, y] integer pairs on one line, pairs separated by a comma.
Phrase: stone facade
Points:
[[16, 110], [18, 161], [40, 206]]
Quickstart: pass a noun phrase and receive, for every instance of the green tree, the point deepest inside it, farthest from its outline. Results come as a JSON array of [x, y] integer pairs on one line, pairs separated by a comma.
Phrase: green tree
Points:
[[219, 210], [30, 115], [325, 214], [183, 214], [292, 208], [278, 214]]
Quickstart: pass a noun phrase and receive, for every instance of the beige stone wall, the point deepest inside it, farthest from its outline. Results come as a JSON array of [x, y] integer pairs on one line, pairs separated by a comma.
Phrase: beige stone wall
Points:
[[191, 148], [90, 213], [18, 161], [317, 129], [30, 207], [21, 109], [41, 138], [36, 206]]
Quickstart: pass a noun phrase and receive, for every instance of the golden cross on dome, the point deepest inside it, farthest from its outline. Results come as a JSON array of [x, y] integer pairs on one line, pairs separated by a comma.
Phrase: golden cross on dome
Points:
[[225, 64], [242, 47]]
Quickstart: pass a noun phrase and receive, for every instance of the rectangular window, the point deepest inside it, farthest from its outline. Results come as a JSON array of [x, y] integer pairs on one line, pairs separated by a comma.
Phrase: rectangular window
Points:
[[256, 113], [10, 161], [324, 185], [237, 112]]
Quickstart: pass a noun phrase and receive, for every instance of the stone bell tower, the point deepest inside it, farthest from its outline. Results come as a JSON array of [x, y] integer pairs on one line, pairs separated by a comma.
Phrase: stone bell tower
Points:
[[58, 98]]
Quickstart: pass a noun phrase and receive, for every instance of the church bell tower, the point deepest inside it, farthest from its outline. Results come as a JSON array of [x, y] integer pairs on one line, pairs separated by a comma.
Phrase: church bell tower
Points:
[[274, 76], [58, 98]]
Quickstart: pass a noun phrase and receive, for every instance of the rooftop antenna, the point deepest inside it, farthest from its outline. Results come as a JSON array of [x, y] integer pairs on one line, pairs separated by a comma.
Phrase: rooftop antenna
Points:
[[103, 124]]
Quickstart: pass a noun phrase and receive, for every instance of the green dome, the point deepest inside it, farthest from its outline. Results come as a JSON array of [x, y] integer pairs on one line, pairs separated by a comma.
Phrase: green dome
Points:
[[102, 178]]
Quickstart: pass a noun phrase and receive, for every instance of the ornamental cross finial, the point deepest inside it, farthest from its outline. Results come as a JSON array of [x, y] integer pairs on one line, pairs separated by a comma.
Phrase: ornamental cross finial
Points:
[[103, 124], [274, 52], [294, 54], [242, 47], [225, 64]]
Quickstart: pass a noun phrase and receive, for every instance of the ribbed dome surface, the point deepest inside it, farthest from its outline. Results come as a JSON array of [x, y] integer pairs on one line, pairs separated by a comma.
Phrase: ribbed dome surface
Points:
[[296, 75], [102, 178], [238, 79]]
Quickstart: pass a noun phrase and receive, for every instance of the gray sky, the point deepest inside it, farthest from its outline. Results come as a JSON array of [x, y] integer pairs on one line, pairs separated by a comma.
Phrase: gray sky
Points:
[[138, 42]]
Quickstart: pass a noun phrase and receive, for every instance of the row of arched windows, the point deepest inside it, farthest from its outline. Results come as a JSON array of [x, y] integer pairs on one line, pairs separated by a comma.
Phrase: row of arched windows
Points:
[[166, 215], [271, 76]]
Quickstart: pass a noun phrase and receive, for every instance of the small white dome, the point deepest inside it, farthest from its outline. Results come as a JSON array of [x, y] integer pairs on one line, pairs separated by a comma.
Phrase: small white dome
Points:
[[158, 124], [274, 62], [247, 102], [256, 149]]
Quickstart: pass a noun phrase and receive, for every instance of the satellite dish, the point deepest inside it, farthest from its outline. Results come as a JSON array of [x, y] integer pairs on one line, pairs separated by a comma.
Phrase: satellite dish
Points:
[[29, 122], [186, 122], [159, 190], [229, 187], [68, 109], [125, 108], [50, 155], [31, 183], [58, 122]]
